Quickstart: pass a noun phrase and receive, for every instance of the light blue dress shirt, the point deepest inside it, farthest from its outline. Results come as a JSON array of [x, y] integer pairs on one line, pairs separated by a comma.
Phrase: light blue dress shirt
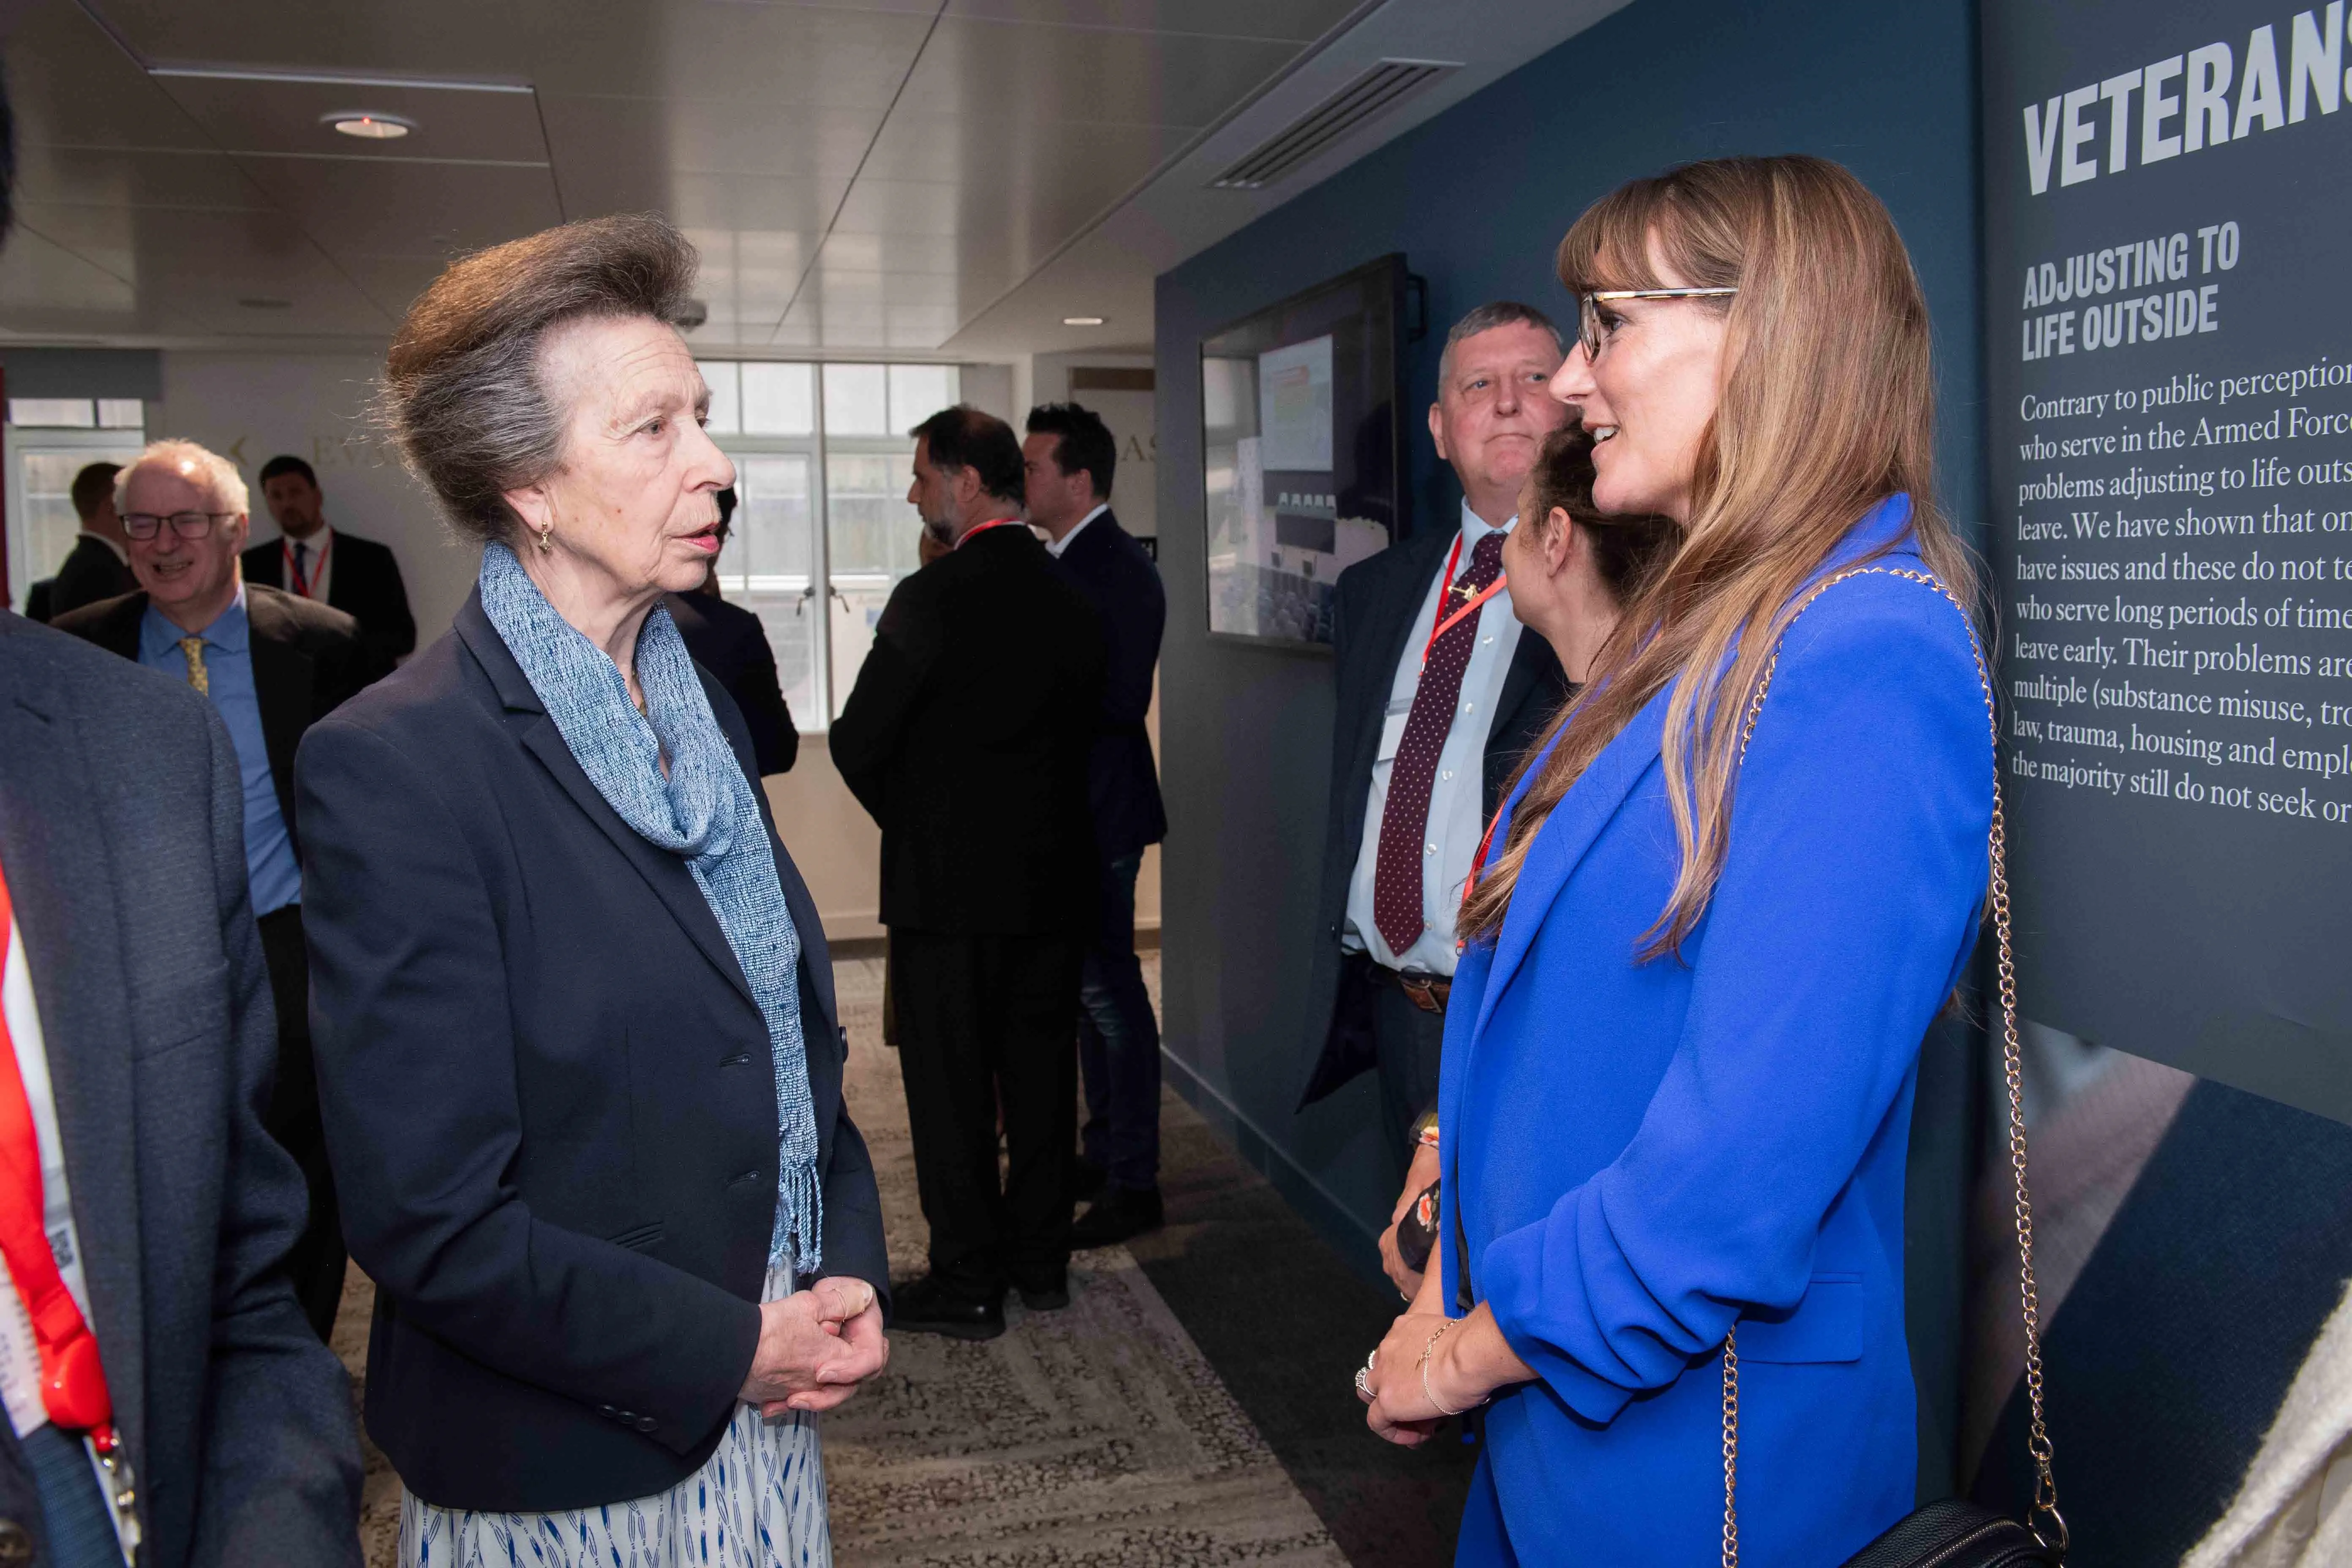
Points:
[[1450, 839], [269, 865]]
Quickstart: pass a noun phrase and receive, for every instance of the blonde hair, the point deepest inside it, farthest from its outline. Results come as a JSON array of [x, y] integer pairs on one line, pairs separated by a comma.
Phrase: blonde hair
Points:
[[1827, 407], [187, 459]]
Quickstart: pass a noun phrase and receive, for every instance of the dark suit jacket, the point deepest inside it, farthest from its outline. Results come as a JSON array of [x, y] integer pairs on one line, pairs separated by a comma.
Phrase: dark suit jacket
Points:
[[39, 600], [90, 573], [728, 641], [967, 737], [364, 585], [1376, 609], [307, 661], [1123, 583], [548, 1096], [122, 834]]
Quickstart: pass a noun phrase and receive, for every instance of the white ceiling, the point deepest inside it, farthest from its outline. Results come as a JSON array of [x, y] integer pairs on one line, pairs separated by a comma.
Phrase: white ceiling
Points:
[[902, 178]]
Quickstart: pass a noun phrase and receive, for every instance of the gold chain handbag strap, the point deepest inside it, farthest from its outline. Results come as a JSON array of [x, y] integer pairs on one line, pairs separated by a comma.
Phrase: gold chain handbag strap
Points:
[[2046, 1486]]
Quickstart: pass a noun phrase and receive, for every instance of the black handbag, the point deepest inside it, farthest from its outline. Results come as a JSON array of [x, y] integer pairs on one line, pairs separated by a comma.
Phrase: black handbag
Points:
[[1953, 1532]]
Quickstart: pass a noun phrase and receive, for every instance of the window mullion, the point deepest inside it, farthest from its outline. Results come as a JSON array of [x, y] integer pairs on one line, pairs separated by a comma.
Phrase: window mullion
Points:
[[821, 561]]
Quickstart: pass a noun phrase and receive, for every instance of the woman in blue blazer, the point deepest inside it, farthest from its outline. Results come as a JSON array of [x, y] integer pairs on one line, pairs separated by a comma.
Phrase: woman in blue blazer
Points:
[[1724, 901]]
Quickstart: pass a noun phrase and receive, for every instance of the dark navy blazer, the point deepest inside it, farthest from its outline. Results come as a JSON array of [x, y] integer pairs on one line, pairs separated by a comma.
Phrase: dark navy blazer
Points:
[[1123, 584], [548, 1096], [1643, 1153]]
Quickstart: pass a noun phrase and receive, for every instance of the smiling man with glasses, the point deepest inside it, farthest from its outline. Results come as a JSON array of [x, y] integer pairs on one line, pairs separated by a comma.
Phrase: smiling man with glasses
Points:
[[271, 663]]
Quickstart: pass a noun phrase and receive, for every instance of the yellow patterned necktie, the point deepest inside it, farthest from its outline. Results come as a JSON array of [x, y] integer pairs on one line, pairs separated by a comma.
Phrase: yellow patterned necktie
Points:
[[193, 650]]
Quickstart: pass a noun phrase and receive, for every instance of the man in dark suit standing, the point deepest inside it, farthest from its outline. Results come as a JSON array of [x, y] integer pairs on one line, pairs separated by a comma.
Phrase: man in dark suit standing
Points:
[[1439, 694], [272, 664], [315, 561], [967, 737], [728, 641], [99, 565], [1070, 457]]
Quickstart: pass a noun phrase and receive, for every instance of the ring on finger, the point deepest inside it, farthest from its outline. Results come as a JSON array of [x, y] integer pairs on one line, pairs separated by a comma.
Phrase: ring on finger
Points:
[[1363, 1385]]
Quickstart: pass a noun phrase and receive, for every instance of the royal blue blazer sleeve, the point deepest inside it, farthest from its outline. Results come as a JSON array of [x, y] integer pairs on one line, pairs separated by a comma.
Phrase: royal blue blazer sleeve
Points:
[[1846, 908]]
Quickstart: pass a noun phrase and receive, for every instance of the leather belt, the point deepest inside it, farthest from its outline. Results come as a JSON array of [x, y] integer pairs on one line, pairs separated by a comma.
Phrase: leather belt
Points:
[[1426, 991]]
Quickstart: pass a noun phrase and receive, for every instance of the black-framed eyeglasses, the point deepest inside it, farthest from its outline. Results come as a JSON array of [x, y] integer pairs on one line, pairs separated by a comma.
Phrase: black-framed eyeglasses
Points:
[[145, 525], [1595, 337]]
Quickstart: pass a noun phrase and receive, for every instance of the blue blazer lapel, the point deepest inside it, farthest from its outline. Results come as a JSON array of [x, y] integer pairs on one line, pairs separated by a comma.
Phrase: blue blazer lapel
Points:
[[1560, 844], [664, 873]]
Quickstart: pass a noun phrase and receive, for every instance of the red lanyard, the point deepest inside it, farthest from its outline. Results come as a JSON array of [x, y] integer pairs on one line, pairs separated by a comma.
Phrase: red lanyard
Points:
[[1470, 606], [73, 1384], [304, 580], [977, 529]]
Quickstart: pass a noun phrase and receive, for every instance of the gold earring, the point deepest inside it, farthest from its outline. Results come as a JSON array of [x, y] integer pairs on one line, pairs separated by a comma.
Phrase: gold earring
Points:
[[547, 538]]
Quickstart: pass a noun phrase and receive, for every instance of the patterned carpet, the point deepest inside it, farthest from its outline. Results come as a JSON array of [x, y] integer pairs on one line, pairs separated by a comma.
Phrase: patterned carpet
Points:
[[1094, 1436]]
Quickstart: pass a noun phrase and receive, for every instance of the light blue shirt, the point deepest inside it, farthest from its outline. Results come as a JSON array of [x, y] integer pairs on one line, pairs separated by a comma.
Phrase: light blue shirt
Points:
[[269, 865], [1455, 798]]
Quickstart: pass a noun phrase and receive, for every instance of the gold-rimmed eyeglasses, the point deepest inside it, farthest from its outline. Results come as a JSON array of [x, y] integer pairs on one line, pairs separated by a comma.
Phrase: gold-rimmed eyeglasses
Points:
[[1595, 336], [145, 525]]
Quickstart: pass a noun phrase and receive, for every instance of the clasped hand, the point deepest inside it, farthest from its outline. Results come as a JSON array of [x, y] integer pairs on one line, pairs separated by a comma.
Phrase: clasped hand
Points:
[[815, 1347]]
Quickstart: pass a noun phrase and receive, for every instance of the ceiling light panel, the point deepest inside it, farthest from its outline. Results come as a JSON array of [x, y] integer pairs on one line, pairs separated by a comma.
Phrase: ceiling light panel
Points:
[[412, 38], [284, 117], [1086, 75], [1292, 21], [363, 126]]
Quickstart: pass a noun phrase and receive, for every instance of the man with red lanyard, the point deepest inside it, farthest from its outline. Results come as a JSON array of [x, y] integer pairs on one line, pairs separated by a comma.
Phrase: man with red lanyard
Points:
[[160, 1381], [968, 736], [1438, 695]]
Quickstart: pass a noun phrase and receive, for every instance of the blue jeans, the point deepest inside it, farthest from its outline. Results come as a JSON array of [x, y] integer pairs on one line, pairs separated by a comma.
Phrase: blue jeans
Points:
[[1119, 1041]]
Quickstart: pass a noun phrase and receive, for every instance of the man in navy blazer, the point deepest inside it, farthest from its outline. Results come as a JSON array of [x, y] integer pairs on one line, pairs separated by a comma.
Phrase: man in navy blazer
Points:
[[1069, 458], [1376, 998]]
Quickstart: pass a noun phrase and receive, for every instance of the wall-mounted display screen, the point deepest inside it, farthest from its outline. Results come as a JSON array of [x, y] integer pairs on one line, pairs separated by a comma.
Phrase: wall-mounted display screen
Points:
[[1298, 416]]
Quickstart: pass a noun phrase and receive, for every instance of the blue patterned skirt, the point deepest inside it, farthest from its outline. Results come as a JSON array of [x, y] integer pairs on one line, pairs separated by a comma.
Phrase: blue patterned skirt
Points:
[[757, 1502]]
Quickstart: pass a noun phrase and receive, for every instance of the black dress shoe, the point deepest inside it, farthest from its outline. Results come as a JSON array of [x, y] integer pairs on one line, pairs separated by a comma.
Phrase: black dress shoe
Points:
[[1050, 1296], [1119, 1213], [1086, 1180], [926, 1306]]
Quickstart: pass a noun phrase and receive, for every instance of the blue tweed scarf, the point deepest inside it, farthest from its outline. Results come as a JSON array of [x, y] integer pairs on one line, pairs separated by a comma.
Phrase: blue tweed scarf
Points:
[[703, 811]]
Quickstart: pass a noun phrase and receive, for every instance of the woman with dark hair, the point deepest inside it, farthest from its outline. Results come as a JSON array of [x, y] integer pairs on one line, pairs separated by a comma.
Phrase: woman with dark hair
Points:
[[1712, 928], [578, 1055], [1572, 567]]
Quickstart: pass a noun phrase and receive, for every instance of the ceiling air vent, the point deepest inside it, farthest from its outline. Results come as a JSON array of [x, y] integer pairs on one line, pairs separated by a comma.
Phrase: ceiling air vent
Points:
[[1380, 88]]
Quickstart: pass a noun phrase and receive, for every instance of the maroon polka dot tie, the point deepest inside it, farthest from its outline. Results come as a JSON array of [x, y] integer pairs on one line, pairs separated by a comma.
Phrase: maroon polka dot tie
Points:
[[1405, 843]]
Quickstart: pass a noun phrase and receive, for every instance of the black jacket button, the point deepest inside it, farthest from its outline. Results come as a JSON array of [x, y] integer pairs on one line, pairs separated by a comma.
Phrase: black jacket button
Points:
[[647, 1424]]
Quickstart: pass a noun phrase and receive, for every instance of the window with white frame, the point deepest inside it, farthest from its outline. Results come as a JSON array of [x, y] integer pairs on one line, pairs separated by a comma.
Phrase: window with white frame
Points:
[[822, 530], [49, 441]]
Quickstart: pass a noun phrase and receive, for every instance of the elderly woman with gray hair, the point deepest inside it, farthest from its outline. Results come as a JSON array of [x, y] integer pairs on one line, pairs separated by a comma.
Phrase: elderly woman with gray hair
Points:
[[578, 1053]]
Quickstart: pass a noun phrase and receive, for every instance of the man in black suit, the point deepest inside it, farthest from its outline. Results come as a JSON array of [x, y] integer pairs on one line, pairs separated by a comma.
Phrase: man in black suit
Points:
[[314, 561], [272, 664], [99, 565], [730, 642], [1070, 457], [1418, 764], [967, 737]]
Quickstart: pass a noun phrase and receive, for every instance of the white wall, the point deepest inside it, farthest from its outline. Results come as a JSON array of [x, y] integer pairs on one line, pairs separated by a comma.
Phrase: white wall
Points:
[[252, 406]]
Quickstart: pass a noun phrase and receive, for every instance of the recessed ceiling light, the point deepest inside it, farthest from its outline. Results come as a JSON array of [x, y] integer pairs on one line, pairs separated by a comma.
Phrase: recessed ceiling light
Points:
[[369, 126], [1082, 320]]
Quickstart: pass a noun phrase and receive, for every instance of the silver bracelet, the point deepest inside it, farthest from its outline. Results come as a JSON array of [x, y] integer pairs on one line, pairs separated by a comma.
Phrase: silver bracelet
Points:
[[1426, 1351]]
